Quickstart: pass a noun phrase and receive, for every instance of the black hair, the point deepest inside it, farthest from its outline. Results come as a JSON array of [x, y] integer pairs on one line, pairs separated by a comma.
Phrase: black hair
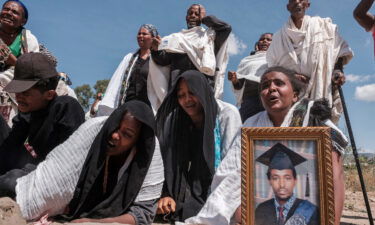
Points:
[[269, 173], [47, 84], [266, 33], [298, 86]]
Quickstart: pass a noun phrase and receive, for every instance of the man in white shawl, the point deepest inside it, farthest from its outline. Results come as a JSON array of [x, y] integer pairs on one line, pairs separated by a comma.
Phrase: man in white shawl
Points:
[[313, 47], [245, 81], [196, 48]]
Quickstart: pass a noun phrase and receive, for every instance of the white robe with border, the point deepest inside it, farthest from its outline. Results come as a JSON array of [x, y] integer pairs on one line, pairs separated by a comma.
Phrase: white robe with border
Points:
[[199, 44], [312, 51], [250, 68]]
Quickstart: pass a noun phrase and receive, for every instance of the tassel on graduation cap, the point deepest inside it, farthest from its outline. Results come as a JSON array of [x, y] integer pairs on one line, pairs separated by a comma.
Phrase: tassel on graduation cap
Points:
[[307, 193]]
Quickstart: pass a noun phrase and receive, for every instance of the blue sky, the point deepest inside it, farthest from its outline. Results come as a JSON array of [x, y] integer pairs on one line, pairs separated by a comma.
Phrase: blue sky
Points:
[[90, 37]]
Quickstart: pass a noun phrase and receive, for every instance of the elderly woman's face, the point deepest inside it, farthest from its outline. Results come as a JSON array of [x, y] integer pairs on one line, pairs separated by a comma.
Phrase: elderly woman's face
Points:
[[125, 137], [12, 15], [277, 93], [144, 38], [188, 101]]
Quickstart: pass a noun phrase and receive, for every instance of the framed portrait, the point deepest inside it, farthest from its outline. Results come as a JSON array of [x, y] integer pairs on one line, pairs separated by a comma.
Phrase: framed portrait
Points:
[[287, 176]]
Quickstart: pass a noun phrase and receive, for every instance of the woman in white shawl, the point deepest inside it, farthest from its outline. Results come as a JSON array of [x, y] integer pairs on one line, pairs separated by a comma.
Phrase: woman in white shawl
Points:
[[130, 80], [109, 170], [280, 93]]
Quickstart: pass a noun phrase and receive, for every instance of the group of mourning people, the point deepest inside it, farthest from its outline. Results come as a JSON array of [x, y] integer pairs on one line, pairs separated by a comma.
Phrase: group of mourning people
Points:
[[163, 147]]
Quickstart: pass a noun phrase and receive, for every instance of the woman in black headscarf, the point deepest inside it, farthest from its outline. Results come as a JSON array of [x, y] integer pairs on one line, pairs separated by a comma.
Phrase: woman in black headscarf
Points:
[[108, 188], [195, 132]]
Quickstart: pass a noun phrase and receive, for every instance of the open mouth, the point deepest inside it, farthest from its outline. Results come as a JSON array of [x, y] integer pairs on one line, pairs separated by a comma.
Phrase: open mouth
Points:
[[273, 99], [3, 19]]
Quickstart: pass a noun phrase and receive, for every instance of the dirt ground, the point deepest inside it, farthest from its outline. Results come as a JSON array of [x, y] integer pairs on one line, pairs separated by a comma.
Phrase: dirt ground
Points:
[[355, 208]]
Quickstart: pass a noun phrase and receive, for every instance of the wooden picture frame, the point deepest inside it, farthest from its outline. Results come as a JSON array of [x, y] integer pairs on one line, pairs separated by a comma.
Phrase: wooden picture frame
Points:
[[315, 144]]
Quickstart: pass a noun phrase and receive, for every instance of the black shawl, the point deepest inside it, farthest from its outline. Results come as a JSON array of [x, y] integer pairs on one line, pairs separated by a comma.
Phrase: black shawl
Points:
[[88, 200], [175, 132]]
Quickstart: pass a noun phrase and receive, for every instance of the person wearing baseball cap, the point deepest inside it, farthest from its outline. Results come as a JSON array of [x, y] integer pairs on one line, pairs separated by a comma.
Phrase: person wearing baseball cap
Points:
[[44, 121]]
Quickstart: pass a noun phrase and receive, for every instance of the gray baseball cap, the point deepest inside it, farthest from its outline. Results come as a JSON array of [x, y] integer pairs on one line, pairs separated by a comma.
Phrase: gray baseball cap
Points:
[[30, 68]]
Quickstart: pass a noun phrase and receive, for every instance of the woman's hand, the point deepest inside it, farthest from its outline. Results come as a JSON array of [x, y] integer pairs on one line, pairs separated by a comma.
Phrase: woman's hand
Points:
[[166, 205], [155, 43]]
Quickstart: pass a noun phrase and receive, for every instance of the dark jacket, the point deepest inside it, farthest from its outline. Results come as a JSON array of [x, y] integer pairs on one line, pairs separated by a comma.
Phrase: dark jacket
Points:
[[43, 130]]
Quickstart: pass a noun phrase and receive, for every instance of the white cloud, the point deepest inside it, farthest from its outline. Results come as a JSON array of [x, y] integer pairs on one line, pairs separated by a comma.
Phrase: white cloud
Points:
[[365, 93], [359, 78], [235, 45], [368, 42]]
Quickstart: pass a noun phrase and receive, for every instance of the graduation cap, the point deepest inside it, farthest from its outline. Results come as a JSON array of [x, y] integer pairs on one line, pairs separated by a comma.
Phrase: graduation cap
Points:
[[280, 157]]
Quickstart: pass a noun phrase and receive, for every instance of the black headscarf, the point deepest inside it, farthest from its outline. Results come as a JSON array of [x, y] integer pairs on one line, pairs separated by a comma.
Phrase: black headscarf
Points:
[[88, 200], [174, 132]]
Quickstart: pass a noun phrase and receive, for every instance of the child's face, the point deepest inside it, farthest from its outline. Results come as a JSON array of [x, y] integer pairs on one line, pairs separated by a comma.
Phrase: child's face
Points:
[[33, 100]]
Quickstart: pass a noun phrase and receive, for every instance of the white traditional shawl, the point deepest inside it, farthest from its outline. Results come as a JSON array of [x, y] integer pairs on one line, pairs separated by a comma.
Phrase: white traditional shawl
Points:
[[157, 86], [7, 75], [50, 187], [250, 68], [312, 51], [32, 46], [221, 205], [111, 99], [198, 44]]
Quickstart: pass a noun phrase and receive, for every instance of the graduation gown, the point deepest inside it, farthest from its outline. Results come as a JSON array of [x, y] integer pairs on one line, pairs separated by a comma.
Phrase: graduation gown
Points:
[[265, 213]]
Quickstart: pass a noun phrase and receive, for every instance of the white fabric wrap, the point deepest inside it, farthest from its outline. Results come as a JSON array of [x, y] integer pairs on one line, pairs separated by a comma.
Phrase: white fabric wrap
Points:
[[111, 99], [64, 89], [50, 187], [32, 46], [199, 44], [225, 194], [7, 75], [157, 84], [312, 51], [154, 180], [250, 68]]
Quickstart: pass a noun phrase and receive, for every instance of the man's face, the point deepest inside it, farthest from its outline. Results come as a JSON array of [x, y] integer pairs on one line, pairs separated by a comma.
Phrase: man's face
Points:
[[297, 8], [282, 183], [33, 99], [194, 16]]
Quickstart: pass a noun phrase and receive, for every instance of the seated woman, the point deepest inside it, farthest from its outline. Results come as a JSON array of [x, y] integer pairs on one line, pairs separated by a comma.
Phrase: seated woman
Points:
[[129, 82], [195, 132], [15, 40], [280, 93], [120, 180]]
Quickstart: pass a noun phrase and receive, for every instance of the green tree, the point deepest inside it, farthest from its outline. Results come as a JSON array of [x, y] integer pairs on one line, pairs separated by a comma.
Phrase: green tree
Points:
[[84, 94], [100, 86]]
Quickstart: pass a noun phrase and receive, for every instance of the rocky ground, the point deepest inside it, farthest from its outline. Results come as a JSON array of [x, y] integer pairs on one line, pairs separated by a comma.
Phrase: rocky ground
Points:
[[354, 211], [355, 208]]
